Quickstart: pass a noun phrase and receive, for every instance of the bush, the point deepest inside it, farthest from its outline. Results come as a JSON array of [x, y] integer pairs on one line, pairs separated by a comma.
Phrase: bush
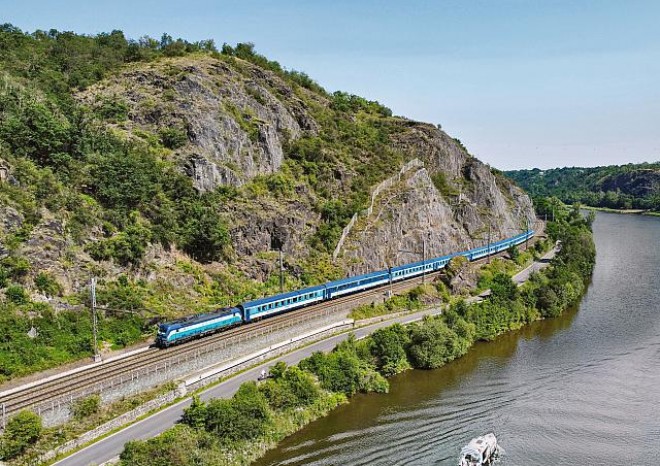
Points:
[[433, 343], [125, 178], [15, 268], [346, 369], [47, 284], [389, 349], [17, 295], [243, 417], [503, 288], [301, 386], [126, 248], [112, 109], [22, 430], [86, 407], [173, 138], [204, 234], [195, 414]]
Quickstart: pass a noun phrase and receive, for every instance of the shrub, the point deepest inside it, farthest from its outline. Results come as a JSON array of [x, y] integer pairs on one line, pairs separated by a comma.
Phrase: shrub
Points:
[[86, 407], [113, 109], [173, 138], [389, 349], [127, 247], [503, 288], [21, 431], [15, 268], [432, 344], [125, 179], [345, 371], [301, 386], [204, 234], [47, 284], [195, 414], [243, 417], [16, 294]]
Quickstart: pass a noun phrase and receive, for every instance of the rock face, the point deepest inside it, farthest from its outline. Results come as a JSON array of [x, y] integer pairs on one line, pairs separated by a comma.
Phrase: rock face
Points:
[[234, 123], [413, 220], [466, 203], [639, 183]]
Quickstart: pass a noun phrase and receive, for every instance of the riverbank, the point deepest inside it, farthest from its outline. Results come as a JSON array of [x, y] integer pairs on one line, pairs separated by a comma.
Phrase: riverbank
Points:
[[359, 366], [622, 211]]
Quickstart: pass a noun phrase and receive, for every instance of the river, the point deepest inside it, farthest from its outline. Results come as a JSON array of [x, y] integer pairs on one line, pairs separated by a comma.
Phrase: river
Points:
[[582, 389]]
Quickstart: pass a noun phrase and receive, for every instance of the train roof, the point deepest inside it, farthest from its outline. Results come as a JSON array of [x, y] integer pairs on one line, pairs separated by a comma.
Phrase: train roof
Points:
[[427, 261], [278, 297], [343, 281], [198, 318]]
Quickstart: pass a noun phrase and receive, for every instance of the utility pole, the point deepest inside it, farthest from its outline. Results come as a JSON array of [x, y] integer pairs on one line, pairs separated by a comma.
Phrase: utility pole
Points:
[[97, 356], [424, 262], [489, 241], [527, 233], [281, 272], [390, 277]]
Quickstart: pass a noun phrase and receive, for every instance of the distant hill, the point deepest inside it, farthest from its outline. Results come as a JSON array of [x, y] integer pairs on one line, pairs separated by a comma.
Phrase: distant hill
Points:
[[631, 186]]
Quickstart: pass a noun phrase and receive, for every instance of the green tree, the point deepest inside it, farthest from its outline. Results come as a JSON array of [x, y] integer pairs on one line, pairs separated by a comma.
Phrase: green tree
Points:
[[204, 234], [389, 349], [503, 288], [195, 415], [432, 344], [22, 430]]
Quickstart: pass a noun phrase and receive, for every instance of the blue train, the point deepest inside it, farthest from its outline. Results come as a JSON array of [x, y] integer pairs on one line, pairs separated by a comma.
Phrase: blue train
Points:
[[182, 330]]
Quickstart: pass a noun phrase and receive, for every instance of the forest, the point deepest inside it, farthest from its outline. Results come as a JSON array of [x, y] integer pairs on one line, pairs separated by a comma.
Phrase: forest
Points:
[[631, 186]]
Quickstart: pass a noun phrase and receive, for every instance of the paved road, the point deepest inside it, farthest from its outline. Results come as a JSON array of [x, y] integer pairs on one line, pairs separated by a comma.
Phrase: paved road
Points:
[[522, 276], [110, 447]]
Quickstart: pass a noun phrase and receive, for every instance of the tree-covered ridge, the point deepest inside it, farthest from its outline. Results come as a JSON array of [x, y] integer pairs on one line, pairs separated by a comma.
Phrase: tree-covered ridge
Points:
[[631, 186]]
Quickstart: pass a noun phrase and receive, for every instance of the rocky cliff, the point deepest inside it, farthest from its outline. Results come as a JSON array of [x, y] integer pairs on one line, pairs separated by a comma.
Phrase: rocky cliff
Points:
[[290, 167]]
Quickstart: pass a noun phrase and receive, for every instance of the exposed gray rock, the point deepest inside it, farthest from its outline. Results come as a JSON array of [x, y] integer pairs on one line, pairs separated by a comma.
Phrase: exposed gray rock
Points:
[[4, 171], [414, 213], [236, 124], [11, 219]]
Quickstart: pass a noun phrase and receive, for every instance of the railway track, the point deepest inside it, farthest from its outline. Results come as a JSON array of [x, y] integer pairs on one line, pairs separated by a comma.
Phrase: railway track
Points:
[[85, 381], [89, 380]]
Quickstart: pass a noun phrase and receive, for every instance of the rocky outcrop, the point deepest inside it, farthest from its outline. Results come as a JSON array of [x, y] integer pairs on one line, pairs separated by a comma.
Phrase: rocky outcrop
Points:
[[467, 204], [643, 183], [234, 119]]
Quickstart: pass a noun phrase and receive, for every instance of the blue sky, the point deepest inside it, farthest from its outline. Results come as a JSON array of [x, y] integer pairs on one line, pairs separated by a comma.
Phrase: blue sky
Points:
[[522, 83]]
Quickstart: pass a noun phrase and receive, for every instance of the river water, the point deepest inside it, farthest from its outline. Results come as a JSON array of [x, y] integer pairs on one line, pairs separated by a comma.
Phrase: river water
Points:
[[583, 389]]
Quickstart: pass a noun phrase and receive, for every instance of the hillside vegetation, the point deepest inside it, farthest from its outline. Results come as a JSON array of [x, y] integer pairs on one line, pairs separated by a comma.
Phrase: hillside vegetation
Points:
[[175, 171], [631, 186]]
